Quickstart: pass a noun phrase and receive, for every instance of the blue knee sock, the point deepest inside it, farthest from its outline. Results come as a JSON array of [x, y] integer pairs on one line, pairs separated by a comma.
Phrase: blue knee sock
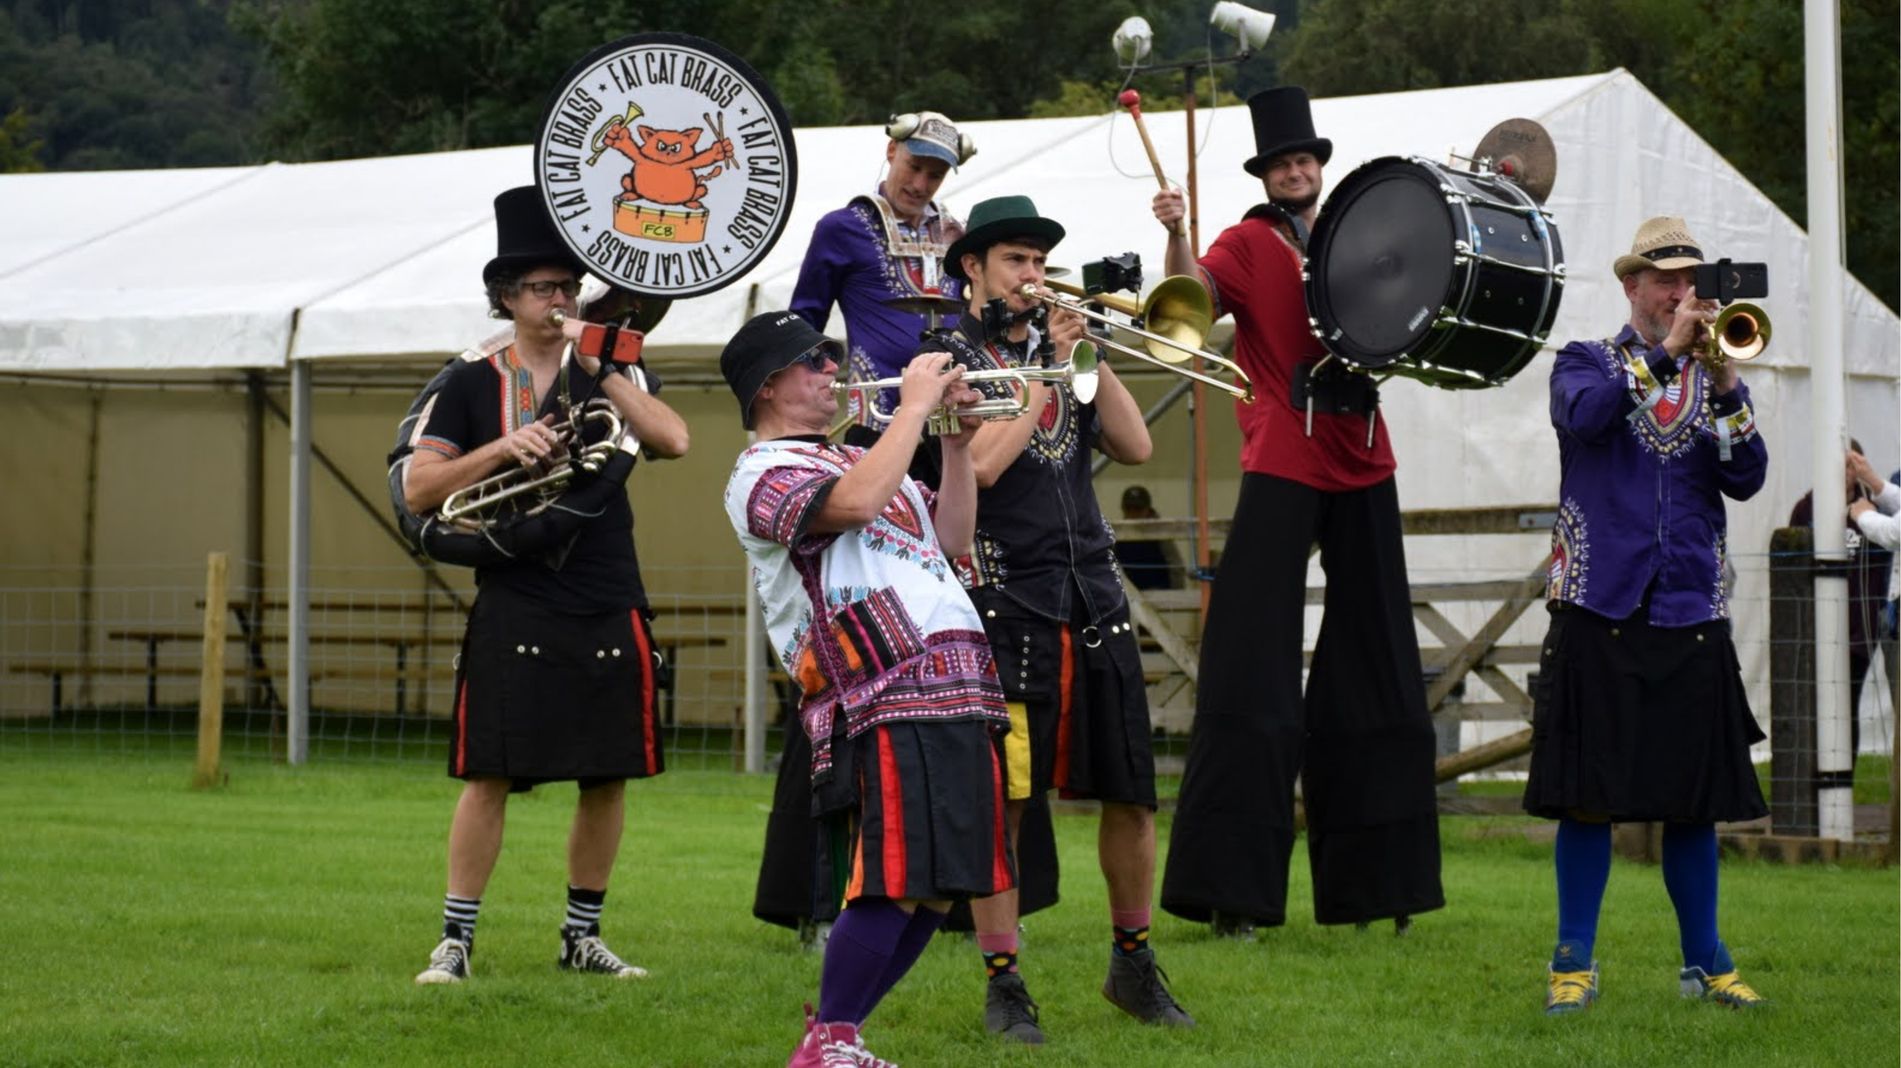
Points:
[[1584, 866], [863, 941], [917, 935], [1689, 873]]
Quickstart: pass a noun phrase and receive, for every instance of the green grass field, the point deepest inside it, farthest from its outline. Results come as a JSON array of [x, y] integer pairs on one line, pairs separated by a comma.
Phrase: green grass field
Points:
[[279, 921]]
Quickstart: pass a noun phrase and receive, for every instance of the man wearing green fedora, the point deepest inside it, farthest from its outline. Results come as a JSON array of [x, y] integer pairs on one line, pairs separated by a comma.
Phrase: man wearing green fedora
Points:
[[1043, 575]]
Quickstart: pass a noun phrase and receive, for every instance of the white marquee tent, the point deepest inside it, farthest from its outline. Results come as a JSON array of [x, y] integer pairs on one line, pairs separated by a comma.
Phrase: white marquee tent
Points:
[[284, 264]]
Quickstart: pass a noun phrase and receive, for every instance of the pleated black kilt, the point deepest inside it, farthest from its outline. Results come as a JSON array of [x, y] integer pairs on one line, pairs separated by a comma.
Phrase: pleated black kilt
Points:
[[1079, 706], [547, 697], [1637, 722], [804, 865], [929, 822]]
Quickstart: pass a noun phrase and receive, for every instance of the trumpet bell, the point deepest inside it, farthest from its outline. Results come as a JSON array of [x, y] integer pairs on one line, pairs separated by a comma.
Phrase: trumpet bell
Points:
[[1741, 331], [1083, 361]]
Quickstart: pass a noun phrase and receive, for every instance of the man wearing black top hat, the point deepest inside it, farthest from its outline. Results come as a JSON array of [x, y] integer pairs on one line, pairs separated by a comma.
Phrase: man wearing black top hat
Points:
[[1042, 573], [555, 678], [1317, 467]]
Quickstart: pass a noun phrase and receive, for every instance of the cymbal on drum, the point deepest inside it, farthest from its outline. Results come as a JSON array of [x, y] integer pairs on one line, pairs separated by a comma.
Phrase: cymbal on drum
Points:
[[1521, 150]]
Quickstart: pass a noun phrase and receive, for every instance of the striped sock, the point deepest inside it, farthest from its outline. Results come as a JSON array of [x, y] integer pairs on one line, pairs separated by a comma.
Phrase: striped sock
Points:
[[584, 911], [458, 917]]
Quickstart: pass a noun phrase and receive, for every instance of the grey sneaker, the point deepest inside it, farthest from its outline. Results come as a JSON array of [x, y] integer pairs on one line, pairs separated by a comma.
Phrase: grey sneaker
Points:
[[587, 953], [1138, 986], [1009, 1011], [448, 964]]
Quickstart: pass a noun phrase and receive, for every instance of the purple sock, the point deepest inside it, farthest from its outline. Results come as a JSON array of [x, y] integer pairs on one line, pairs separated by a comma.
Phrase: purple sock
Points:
[[863, 941], [924, 923]]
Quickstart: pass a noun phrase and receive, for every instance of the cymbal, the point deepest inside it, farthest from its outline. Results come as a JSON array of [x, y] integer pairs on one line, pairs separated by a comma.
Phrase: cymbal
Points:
[[926, 304], [1522, 150]]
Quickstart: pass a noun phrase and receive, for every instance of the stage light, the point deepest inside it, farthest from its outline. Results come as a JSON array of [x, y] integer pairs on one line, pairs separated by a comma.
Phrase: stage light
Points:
[[1246, 25], [1133, 39]]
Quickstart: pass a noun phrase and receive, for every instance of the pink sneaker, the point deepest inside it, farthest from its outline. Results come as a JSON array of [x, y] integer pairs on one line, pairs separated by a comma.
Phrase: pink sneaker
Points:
[[833, 1045]]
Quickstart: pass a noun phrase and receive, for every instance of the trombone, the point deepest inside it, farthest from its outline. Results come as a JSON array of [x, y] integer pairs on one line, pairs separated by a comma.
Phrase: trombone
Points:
[[1176, 317], [1078, 374]]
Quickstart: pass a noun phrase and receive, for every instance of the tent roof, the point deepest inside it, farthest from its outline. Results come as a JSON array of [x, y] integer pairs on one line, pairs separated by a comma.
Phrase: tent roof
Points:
[[253, 266]]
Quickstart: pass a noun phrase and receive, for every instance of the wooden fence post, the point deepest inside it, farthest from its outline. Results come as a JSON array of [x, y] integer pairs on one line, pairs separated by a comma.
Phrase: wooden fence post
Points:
[[211, 678], [1792, 801]]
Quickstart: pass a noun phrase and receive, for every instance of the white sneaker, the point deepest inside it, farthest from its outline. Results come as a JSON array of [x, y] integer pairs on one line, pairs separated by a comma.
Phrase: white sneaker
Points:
[[587, 953], [448, 964]]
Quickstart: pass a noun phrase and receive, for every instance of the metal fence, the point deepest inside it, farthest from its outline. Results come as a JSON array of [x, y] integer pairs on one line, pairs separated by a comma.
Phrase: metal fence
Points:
[[111, 664]]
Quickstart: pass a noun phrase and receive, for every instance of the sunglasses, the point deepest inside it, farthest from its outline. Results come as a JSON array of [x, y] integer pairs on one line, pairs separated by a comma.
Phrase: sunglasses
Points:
[[817, 359]]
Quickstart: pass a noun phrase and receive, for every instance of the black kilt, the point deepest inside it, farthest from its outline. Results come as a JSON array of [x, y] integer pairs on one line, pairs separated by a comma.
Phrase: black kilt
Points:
[[1084, 729], [1637, 722], [929, 821], [547, 697]]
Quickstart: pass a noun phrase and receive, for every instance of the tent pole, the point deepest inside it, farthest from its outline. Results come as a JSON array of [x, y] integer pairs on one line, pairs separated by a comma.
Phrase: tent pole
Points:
[[299, 697], [1834, 763], [1197, 405]]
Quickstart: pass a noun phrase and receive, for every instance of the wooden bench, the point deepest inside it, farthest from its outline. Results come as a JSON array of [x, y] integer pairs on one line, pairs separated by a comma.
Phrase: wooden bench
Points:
[[59, 670]]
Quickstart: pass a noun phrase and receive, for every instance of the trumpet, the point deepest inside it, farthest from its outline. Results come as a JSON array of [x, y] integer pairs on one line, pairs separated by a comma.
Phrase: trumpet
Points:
[[476, 507], [1078, 375], [1175, 317], [1741, 332]]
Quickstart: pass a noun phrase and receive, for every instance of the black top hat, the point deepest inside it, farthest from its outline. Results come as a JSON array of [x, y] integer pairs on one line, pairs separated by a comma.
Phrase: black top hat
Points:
[[525, 237], [767, 344], [999, 219], [1283, 122]]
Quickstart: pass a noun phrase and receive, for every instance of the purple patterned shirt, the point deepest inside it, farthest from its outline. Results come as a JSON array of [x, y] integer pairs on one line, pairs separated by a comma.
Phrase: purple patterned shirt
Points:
[[1647, 457], [849, 262]]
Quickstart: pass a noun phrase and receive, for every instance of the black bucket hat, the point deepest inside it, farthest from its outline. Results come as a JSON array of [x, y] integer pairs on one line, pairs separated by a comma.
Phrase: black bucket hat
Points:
[[999, 219], [1283, 122], [525, 237], [767, 344]]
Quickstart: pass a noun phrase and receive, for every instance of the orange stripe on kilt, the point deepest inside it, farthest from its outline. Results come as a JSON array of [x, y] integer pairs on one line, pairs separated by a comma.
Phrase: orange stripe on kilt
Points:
[[649, 738], [1060, 774], [462, 728], [1000, 859], [891, 789]]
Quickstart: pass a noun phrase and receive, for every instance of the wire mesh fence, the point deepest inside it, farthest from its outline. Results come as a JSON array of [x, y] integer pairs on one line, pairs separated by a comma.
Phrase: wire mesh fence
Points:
[[111, 664]]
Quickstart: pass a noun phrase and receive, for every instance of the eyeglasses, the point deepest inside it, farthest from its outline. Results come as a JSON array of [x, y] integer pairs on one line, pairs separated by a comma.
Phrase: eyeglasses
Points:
[[817, 359], [570, 288]]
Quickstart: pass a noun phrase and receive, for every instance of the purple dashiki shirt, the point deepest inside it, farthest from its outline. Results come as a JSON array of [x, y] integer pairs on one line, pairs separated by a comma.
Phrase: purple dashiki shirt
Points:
[[851, 262], [1647, 457]]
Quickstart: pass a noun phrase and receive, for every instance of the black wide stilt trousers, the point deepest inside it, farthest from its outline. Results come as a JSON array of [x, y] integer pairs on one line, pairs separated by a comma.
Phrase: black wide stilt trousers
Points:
[[1360, 740]]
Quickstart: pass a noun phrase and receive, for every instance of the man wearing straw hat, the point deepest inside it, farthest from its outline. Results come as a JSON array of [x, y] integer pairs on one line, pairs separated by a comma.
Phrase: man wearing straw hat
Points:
[[1042, 572], [1640, 713], [1313, 471]]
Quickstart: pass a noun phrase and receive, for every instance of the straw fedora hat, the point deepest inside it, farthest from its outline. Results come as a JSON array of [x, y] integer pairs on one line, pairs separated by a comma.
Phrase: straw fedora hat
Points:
[[1663, 243]]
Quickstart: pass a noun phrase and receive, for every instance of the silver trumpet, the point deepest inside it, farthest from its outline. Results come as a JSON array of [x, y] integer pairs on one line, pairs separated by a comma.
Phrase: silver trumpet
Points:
[[1077, 374], [1177, 316], [525, 491]]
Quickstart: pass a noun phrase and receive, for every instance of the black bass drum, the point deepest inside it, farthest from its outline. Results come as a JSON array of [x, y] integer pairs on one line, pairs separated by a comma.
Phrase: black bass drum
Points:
[[1447, 276]]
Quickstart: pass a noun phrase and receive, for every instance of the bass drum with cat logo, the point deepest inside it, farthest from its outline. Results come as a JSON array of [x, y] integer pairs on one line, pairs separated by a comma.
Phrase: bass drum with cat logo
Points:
[[1448, 276]]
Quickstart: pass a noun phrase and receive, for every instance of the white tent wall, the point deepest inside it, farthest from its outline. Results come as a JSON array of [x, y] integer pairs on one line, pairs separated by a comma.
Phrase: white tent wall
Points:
[[377, 260]]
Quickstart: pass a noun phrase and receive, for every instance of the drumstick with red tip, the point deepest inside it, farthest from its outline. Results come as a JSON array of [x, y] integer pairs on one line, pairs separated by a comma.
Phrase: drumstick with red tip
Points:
[[1133, 101]]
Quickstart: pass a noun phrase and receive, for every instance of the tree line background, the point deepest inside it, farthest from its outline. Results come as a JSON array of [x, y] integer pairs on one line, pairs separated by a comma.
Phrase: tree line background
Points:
[[126, 84]]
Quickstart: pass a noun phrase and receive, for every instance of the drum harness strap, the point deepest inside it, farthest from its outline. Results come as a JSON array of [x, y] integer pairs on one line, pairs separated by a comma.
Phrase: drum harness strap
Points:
[[1336, 390]]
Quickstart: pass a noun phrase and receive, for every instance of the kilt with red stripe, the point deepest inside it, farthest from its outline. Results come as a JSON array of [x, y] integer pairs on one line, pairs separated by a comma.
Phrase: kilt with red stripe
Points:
[[541, 696], [929, 824]]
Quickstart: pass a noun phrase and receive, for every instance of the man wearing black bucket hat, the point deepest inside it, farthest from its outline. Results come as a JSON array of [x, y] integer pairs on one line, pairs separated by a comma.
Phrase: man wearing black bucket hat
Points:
[[1042, 572], [1316, 467], [555, 678], [851, 558]]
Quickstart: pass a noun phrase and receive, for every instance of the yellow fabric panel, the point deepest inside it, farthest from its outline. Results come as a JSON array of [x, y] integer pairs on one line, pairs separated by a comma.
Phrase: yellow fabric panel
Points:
[[1016, 753]]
